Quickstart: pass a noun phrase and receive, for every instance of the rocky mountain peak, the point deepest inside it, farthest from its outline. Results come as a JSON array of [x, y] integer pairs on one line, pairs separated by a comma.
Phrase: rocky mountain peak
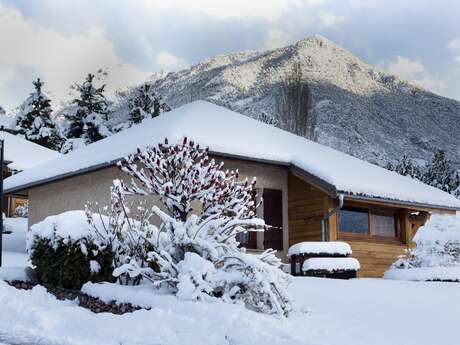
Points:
[[357, 108]]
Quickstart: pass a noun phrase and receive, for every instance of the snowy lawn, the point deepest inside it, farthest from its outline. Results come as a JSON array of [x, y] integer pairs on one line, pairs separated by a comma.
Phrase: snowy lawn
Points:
[[14, 243], [362, 311]]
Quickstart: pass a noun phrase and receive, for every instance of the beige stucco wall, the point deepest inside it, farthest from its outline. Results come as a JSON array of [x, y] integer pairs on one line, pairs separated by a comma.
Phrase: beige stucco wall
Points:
[[74, 192]]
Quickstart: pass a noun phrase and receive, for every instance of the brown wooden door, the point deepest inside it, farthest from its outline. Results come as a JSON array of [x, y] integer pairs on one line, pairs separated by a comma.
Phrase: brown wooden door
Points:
[[273, 216]]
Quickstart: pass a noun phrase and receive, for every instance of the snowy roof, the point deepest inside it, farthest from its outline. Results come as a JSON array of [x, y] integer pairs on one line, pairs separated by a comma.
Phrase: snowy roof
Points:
[[228, 132], [24, 154]]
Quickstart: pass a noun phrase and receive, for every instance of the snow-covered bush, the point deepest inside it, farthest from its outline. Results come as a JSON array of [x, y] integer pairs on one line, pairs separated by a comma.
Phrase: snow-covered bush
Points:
[[195, 252], [65, 251], [128, 237], [437, 245]]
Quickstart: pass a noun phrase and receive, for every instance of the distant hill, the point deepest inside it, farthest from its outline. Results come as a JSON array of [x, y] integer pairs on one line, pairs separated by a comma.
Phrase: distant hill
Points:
[[358, 108]]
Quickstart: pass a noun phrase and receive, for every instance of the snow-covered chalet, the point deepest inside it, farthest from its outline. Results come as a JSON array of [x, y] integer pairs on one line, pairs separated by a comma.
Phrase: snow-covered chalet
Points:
[[302, 183]]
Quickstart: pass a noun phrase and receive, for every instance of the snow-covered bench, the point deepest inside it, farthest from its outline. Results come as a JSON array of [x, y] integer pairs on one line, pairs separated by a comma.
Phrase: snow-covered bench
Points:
[[323, 259], [343, 268]]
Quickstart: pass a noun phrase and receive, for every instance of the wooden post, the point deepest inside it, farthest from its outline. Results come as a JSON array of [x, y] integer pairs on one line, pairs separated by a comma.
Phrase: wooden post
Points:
[[407, 228], [329, 204]]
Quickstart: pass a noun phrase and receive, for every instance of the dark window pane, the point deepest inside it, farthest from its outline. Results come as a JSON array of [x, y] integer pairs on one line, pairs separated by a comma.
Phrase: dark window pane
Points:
[[354, 219], [383, 223], [247, 239], [273, 215]]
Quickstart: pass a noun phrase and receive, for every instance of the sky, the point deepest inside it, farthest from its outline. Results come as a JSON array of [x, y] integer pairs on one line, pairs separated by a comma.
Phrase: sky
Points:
[[61, 41]]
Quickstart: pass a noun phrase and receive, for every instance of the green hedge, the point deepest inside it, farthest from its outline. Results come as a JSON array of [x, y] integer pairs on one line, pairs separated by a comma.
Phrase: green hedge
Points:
[[67, 266]]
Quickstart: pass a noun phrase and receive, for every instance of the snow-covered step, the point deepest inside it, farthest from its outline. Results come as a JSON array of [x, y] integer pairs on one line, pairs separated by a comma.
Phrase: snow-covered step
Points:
[[339, 268], [335, 248], [331, 264]]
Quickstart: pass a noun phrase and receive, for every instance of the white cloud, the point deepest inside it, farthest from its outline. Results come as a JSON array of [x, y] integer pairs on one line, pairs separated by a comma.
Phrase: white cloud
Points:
[[58, 59], [454, 46], [415, 71], [277, 38], [330, 19], [170, 61], [406, 68], [224, 9]]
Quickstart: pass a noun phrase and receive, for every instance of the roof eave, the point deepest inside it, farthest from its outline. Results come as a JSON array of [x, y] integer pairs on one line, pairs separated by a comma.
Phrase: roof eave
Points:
[[350, 196], [321, 184], [113, 162]]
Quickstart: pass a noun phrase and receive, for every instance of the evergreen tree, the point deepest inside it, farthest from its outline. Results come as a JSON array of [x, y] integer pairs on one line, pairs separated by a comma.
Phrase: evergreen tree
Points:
[[145, 103], [88, 120], [34, 120], [2, 111], [441, 173], [406, 167], [268, 119]]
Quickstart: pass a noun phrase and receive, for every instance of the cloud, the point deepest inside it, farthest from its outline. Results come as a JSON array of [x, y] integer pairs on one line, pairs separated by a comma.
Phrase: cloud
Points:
[[329, 19], [170, 61], [277, 38], [454, 46], [406, 68], [415, 71], [58, 59], [225, 9], [147, 35]]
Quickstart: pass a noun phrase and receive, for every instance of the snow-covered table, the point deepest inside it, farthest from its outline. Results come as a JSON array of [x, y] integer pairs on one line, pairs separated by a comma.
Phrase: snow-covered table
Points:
[[323, 259]]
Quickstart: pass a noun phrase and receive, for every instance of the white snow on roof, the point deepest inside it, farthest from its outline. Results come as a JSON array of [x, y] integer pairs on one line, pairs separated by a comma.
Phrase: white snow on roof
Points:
[[226, 131], [24, 154]]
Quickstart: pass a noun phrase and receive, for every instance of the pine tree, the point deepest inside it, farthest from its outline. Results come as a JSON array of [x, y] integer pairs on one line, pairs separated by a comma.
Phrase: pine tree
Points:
[[406, 167], [441, 173], [88, 120], [34, 120], [268, 119], [145, 103]]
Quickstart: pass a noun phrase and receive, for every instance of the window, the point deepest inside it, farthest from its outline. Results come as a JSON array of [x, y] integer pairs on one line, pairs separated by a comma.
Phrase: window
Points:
[[383, 223], [354, 219], [368, 222]]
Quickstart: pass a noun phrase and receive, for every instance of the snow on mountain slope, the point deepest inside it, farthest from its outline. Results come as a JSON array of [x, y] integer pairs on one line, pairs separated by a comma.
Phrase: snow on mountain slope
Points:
[[359, 109]]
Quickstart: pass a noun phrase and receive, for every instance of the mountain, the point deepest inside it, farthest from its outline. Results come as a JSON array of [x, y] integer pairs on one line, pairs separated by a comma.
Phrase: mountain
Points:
[[358, 109]]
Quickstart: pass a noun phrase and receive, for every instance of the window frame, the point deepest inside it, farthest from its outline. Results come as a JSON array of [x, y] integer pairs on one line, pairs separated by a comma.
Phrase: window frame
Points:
[[368, 236]]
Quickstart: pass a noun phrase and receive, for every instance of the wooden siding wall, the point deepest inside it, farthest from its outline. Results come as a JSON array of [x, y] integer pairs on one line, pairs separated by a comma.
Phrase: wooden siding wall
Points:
[[375, 258], [306, 206]]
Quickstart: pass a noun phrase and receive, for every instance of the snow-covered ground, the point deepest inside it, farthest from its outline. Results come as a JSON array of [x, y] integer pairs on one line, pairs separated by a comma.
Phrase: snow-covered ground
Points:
[[14, 243], [358, 312], [329, 312], [436, 255]]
